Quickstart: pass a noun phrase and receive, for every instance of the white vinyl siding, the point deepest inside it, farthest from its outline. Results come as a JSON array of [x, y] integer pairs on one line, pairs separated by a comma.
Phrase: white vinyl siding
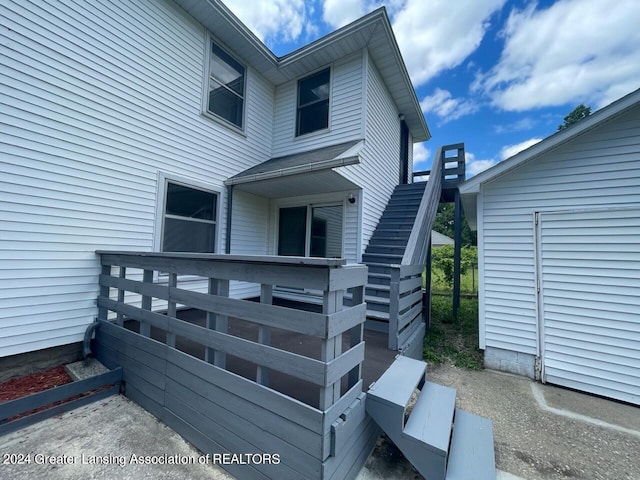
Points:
[[590, 300], [595, 170], [345, 108], [379, 167], [96, 100]]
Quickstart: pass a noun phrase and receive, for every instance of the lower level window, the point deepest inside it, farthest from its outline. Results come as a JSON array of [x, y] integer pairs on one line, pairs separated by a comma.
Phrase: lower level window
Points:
[[189, 221], [311, 231]]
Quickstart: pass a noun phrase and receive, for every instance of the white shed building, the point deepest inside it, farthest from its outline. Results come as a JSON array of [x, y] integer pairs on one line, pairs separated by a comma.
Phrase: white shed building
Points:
[[559, 255]]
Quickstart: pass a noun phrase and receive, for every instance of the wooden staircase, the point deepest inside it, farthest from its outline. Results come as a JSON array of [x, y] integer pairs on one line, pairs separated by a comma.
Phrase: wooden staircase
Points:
[[441, 441], [387, 246]]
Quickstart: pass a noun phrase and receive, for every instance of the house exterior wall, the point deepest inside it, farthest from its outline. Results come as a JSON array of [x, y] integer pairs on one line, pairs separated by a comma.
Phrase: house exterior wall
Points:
[[345, 110], [379, 168], [600, 169], [89, 121]]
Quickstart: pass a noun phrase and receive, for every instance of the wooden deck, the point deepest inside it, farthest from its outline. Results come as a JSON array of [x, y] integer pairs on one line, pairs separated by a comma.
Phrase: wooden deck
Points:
[[235, 376], [377, 356]]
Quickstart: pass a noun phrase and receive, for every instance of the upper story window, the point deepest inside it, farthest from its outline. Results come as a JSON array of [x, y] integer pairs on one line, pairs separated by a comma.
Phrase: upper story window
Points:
[[313, 102], [189, 219], [226, 87]]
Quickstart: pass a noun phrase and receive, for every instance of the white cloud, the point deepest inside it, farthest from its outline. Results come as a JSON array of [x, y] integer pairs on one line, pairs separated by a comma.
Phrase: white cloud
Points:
[[525, 123], [474, 166], [433, 35], [575, 51], [272, 20], [442, 104], [511, 150], [339, 13], [437, 35], [421, 154]]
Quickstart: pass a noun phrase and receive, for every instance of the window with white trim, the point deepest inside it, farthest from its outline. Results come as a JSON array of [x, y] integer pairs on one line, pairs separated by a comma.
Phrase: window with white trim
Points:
[[313, 102], [189, 220], [225, 86]]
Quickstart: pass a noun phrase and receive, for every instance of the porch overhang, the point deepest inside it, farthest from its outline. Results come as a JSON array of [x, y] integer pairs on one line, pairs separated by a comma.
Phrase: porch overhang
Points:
[[304, 173]]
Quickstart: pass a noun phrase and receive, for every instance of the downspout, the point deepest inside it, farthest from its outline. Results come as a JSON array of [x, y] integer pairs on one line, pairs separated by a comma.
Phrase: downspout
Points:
[[227, 249]]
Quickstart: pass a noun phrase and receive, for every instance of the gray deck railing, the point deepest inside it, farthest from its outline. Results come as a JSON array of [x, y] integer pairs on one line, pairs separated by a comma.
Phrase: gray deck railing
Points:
[[331, 276], [234, 375]]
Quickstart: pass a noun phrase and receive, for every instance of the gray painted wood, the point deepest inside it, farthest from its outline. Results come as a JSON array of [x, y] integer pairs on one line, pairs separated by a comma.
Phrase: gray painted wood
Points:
[[319, 274], [472, 452], [235, 443], [65, 407], [415, 253], [62, 392], [344, 427], [396, 385], [270, 400], [308, 441], [256, 439], [348, 463], [431, 418], [207, 444]]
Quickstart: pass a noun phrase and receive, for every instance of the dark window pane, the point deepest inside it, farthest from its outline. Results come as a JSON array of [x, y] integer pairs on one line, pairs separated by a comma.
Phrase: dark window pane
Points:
[[227, 71], [225, 104], [314, 117], [188, 236], [326, 232], [292, 231], [314, 88], [190, 202]]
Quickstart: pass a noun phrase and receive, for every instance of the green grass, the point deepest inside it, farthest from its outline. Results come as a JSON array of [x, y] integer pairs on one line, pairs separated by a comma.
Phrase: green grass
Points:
[[468, 282], [453, 341]]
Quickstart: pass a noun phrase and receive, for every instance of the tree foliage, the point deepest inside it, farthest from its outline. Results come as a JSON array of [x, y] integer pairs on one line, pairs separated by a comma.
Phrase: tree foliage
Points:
[[444, 224], [575, 116], [442, 258]]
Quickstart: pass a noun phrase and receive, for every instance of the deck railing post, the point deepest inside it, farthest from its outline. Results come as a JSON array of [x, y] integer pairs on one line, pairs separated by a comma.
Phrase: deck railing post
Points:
[[394, 307], [145, 328], [356, 335], [331, 347], [217, 322], [171, 307], [264, 334], [120, 316], [103, 312]]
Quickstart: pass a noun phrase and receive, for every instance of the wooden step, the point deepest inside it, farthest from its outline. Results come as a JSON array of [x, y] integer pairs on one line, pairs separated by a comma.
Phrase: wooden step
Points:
[[431, 418], [396, 385], [471, 454]]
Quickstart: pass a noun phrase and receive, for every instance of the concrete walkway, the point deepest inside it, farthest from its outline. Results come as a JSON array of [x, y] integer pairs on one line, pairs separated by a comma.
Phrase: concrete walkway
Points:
[[541, 432]]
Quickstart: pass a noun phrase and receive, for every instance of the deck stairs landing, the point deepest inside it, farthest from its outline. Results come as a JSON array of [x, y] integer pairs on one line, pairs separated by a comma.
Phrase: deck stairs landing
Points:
[[388, 244], [441, 441]]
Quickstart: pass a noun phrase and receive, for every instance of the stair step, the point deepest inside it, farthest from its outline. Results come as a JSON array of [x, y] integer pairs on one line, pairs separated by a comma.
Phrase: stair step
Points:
[[381, 316], [383, 258], [378, 279], [396, 385], [472, 454], [386, 249], [431, 418]]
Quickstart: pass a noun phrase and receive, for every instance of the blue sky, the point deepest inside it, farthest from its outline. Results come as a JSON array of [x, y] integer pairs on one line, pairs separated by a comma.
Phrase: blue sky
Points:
[[498, 75]]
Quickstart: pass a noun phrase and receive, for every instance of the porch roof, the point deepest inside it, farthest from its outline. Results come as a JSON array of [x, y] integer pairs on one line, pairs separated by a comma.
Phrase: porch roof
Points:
[[300, 173]]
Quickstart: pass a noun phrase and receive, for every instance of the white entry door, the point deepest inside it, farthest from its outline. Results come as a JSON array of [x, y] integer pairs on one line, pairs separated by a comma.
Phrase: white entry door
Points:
[[589, 300]]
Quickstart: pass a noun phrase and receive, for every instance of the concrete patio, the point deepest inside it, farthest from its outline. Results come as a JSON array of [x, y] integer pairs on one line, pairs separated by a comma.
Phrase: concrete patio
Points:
[[541, 432]]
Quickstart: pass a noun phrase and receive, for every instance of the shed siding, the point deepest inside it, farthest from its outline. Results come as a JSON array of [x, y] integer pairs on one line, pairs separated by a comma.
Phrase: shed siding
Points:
[[590, 300], [97, 99], [379, 169], [591, 171], [345, 111]]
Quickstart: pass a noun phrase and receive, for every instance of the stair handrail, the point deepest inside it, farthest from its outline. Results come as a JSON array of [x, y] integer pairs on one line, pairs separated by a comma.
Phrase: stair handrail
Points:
[[418, 243]]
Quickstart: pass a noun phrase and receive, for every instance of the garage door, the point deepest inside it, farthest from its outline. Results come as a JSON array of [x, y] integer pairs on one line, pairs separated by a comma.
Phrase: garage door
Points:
[[589, 279]]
